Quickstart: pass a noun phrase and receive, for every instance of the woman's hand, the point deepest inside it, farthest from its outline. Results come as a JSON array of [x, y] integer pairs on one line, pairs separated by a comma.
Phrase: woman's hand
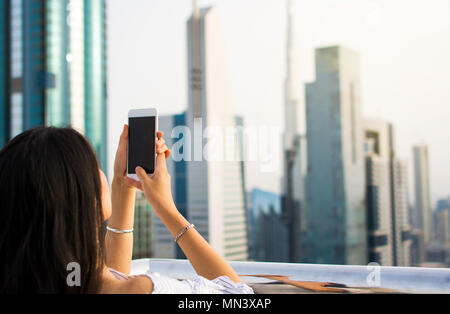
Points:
[[120, 163], [157, 187]]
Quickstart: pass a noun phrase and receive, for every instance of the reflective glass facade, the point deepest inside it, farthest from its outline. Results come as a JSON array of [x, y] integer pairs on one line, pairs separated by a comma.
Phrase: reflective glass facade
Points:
[[268, 236], [58, 45], [33, 62], [56, 72], [16, 60], [335, 216], [95, 83], [4, 73]]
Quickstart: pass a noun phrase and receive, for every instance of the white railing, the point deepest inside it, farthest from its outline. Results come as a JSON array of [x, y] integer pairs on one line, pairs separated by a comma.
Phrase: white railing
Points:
[[329, 278]]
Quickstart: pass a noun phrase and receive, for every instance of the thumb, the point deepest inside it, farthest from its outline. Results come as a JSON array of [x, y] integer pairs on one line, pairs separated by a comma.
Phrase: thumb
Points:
[[142, 175]]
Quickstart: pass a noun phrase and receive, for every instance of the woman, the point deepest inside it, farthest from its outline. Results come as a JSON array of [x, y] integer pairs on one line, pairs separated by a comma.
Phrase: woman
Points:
[[54, 204]]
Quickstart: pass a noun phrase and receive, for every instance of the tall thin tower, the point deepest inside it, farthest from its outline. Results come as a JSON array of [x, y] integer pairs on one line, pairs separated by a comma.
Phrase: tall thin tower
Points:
[[422, 215], [291, 84], [214, 185], [196, 73], [294, 163]]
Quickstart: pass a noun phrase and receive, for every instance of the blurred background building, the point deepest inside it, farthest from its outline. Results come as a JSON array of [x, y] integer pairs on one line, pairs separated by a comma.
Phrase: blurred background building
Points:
[[422, 215], [438, 249], [336, 231], [4, 71], [53, 68], [143, 228], [379, 193], [215, 187], [209, 191], [401, 226], [293, 181], [389, 238], [268, 235]]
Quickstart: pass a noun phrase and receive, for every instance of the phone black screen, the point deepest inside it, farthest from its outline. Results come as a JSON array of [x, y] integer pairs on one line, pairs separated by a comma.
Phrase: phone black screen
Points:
[[141, 144]]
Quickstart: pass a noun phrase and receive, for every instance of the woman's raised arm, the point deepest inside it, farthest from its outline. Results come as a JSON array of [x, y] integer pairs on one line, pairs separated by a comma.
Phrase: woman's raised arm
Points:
[[119, 247], [157, 188]]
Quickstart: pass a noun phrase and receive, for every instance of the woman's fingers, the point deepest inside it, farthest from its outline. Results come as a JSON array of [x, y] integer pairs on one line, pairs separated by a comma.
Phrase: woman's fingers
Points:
[[161, 164], [132, 183], [123, 142], [142, 175], [161, 149], [167, 153], [120, 162], [160, 143]]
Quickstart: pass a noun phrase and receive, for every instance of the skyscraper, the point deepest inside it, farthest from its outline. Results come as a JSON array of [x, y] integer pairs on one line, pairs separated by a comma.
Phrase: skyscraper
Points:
[[143, 224], [215, 187], [268, 235], [208, 190], [291, 112], [4, 70], [54, 73], [335, 186], [422, 209], [378, 193], [294, 146], [400, 217], [387, 196], [443, 232]]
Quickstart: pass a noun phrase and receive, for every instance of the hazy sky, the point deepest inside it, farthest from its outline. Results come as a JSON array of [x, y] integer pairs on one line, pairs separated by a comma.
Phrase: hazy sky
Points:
[[404, 47]]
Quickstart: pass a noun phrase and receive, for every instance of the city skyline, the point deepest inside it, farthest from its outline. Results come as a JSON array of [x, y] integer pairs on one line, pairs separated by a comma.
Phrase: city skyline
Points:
[[152, 82], [360, 179]]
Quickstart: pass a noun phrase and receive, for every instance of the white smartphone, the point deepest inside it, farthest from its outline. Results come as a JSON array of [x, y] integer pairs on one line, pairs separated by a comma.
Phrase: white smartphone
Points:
[[142, 128]]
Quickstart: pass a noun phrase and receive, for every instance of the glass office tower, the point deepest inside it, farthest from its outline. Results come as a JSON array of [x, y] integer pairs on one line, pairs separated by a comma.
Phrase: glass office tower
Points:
[[4, 71], [335, 215], [268, 234], [53, 68], [215, 186]]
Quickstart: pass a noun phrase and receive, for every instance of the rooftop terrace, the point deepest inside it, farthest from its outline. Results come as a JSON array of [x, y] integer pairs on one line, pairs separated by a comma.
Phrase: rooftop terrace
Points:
[[280, 278]]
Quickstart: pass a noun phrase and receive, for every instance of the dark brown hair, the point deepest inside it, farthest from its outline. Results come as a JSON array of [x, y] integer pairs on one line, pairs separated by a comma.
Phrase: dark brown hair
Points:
[[50, 213]]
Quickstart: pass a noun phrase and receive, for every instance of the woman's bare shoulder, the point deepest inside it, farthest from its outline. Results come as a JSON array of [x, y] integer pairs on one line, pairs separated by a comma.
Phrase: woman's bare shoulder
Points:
[[141, 284]]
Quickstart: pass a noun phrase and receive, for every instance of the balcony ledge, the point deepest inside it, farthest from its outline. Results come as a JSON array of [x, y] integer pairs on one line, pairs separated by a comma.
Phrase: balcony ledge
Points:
[[283, 278]]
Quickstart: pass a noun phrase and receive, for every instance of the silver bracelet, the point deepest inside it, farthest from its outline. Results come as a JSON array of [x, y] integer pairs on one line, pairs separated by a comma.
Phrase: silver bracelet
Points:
[[183, 232], [119, 231]]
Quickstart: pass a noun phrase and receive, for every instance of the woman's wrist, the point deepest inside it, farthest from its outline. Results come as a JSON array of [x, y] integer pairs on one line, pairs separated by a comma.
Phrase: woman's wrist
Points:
[[122, 198], [119, 183], [171, 217], [166, 210], [120, 225]]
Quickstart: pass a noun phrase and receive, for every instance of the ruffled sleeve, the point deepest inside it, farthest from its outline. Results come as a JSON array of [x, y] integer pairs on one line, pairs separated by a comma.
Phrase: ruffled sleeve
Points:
[[199, 285]]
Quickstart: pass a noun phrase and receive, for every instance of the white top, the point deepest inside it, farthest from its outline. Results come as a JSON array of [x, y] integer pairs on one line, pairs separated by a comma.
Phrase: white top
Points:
[[163, 284]]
